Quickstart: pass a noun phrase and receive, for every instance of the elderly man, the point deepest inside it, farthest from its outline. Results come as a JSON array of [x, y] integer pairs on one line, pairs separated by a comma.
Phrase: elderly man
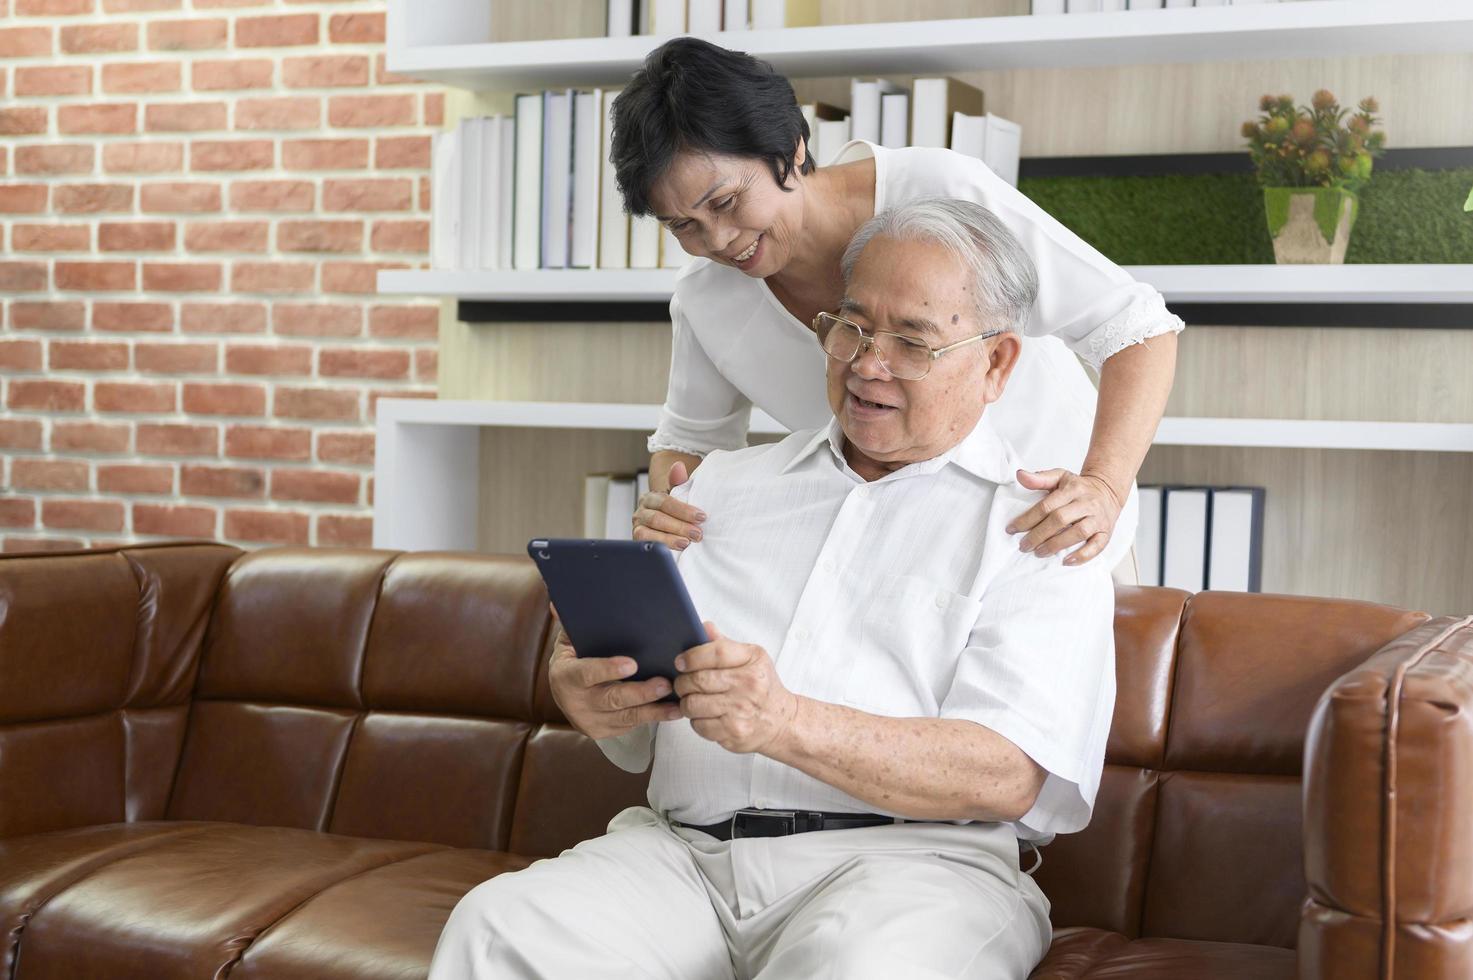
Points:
[[893, 696]]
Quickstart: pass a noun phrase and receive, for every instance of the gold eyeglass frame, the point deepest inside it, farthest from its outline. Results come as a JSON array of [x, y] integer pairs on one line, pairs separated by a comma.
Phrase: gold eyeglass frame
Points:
[[868, 340]]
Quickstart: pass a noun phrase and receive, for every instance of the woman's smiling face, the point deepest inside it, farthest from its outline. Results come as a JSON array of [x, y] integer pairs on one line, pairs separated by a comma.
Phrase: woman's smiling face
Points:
[[731, 210]]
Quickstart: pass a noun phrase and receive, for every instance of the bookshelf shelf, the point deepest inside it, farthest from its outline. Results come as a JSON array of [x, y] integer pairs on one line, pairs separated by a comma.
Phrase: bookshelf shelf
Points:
[[426, 41], [427, 462], [1178, 283]]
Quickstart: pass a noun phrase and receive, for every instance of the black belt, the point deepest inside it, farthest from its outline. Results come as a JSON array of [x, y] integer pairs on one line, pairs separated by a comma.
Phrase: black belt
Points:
[[781, 823]]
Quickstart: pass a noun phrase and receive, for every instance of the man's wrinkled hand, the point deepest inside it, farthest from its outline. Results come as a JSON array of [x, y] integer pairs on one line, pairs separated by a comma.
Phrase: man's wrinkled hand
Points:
[[595, 697], [732, 695]]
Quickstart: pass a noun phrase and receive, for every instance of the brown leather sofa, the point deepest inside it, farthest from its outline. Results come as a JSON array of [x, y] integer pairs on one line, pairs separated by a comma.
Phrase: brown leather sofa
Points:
[[291, 764]]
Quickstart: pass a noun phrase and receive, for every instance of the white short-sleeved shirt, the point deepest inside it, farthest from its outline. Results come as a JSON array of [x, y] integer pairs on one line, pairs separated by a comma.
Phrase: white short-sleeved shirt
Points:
[[866, 595], [736, 346]]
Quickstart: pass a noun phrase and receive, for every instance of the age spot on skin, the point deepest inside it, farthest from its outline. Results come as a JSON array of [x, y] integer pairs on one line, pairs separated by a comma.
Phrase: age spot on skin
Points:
[[956, 318]]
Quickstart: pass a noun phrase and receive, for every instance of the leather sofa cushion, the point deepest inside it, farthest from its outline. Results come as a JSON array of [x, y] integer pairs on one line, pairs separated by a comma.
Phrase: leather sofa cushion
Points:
[[1077, 954], [173, 899]]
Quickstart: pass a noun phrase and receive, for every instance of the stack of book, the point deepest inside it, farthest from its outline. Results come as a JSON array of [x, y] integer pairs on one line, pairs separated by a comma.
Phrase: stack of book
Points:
[[535, 190], [1197, 538], [609, 501], [1107, 6], [666, 17]]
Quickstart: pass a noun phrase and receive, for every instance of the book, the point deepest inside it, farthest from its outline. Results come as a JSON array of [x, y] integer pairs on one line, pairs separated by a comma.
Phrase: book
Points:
[[1143, 4], [864, 107], [735, 15], [770, 15], [1184, 556], [557, 174], [620, 22], [667, 17], [1148, 536], [1046, 7], [1110, 6], [613, 221], [642, 478], [895, 120], [644, 242], [1085, 6], [445, 163], [1211, 3], [595, 504], [491, 221], [813, 113], [672, 256], [472, 209], [1235, 553], [703, 16], [587, 128], [527, 209], [969, 135], [1004, 147], [933, 102], [832, 135], [1178, 3], [619, 509], [506, 189]]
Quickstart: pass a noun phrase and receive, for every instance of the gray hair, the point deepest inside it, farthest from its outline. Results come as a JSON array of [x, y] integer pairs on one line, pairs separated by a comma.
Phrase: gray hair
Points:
[[1003, 275]]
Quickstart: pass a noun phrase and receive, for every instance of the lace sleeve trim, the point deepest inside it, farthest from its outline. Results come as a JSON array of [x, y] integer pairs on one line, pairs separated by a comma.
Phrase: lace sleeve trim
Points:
[[1138, 322], [658, 443]]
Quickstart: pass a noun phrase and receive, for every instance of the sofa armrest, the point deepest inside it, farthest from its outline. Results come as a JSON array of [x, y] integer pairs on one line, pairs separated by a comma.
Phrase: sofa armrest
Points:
[[1388, 814]]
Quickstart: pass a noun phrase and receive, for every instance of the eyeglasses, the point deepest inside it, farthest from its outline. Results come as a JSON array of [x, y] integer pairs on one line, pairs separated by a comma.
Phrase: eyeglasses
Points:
[[902, 357]]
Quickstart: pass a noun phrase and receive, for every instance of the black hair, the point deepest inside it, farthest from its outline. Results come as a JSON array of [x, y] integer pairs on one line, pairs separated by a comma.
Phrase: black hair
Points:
[[692, 95]]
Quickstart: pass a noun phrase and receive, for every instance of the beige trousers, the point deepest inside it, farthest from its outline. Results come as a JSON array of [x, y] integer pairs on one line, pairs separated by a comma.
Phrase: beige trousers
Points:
[[649, 900]]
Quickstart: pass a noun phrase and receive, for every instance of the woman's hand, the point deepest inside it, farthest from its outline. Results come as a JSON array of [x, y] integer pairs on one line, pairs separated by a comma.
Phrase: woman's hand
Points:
[[660, 517], [1078, 508]]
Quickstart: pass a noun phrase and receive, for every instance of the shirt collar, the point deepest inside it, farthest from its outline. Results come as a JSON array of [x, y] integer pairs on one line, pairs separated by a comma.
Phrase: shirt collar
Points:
[[983, 453]]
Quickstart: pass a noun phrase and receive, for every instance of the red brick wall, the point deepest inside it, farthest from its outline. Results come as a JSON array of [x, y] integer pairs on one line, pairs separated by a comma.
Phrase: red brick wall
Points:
[[194, 198]]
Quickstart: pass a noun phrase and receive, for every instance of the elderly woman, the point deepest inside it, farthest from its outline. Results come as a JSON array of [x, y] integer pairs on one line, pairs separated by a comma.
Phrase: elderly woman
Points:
[[713, 143]]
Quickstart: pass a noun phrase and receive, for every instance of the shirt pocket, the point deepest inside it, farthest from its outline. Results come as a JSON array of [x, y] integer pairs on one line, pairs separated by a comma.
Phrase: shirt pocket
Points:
[[910, 636]]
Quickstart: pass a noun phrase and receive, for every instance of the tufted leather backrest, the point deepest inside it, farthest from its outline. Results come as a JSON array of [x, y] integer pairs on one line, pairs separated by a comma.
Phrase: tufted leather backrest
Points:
[[1197, 829]]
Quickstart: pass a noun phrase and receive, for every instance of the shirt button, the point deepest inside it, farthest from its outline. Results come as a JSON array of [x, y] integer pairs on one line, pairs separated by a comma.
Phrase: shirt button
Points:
[[800, 635], [830, 566], [941, 600]]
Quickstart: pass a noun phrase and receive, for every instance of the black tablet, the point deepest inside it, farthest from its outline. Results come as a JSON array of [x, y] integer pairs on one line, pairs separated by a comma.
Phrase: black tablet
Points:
[[620, 599]]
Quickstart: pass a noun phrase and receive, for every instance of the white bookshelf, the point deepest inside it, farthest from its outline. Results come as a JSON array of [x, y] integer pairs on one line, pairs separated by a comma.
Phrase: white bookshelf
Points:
[[427, 456], [1178, 283], [447, 41]]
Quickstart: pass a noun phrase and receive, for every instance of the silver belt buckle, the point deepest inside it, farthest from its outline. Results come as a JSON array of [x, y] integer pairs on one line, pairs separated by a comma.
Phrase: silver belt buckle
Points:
[[754, 823]]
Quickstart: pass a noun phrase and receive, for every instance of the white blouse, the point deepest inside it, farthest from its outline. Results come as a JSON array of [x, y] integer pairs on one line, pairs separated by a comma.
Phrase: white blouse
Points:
[[736, 346]]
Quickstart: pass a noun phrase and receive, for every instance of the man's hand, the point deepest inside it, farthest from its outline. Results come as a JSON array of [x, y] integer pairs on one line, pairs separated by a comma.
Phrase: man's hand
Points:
[[595, 697], [732, 695]]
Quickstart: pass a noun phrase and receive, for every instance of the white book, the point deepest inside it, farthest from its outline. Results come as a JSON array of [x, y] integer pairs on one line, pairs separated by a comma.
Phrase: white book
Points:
[[1178, 3], [595, 504], [1235, 558], [1184, 559], [557, 178], [672, 256], [810, 116], [527, 212], [969, 135], [864, 107], [1211, 3], [1110, 6], [832, 135], [703, 16], [613, 221], [1004, 147], [491, 220], [736, 15], [445, 161], [1243, 3], [642, 481], [587, 127], [644, 242], [895, 120], [621, 18], [1046, 7], [1148, 536], [667, 17], [506, 181], [933, 101], [1143, 4], [472, 209], [619, 512], [768, 15], [1085, 6]]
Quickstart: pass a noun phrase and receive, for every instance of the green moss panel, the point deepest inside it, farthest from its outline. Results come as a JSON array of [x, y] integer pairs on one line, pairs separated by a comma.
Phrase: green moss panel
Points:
[[1413, 216]]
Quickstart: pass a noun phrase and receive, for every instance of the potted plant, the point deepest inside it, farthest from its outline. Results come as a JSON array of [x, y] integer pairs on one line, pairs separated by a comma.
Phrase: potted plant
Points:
[[1311, 161]]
